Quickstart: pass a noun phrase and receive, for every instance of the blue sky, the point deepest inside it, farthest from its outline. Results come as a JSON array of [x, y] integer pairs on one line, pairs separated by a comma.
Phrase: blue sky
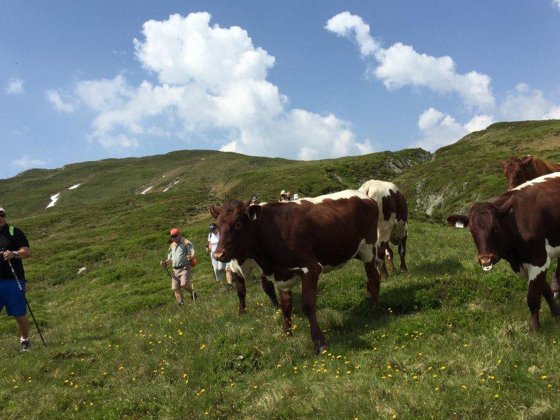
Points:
[[297, 79]]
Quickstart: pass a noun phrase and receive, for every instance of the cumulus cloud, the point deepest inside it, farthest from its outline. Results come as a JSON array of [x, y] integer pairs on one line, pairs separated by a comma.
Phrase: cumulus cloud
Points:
[[400, 65], [14, 87], [211, 83], [556, 3], [345, 24], [526, 103], [439, 129], [55, 98], [27, 162]]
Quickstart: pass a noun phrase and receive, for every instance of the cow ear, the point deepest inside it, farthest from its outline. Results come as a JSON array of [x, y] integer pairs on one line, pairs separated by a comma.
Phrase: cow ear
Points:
[[506, 207], [215, 210], [527, 159], [254, 211], [458, 220]]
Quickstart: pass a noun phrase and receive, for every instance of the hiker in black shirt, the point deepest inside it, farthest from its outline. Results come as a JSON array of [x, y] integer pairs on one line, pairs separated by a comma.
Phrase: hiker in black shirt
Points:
[[13, 248]]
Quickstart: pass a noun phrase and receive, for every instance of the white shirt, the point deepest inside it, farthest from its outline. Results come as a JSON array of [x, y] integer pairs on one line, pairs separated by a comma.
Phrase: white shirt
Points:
[[213, 239]]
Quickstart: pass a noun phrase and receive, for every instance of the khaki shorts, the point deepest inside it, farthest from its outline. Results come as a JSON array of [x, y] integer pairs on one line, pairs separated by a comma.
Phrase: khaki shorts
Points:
[[181, 278]]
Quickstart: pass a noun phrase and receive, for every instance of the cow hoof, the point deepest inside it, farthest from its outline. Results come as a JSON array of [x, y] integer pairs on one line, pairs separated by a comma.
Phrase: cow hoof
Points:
[[535, 326], [321, 350], [556, 295], [242, 311]]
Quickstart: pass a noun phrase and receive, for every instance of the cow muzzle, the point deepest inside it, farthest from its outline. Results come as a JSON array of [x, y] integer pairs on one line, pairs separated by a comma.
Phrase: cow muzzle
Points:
[[486, 262], [220, 255]]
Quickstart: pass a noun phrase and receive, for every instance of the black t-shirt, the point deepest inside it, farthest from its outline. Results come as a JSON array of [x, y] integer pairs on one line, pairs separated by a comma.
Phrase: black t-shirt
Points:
[[12, 243]]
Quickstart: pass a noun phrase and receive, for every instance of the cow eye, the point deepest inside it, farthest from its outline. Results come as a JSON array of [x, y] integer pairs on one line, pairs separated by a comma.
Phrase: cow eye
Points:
[[238, 225]]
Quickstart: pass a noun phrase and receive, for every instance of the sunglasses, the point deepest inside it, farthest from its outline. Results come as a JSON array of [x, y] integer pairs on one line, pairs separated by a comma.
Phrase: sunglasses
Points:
[[174, 236]]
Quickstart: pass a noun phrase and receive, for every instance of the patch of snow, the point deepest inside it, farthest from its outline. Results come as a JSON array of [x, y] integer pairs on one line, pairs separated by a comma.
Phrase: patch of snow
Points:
[[170, 185], [146, 190], [73, 187], [54, 199], [82, 270]]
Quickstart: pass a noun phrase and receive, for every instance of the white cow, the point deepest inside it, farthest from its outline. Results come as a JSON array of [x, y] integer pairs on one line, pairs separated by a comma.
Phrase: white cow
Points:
[[392, 225]]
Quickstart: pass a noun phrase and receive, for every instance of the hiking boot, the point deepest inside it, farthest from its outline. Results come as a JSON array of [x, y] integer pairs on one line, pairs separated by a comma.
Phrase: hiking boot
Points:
[[229, 287], [181, 303], [25, 345]]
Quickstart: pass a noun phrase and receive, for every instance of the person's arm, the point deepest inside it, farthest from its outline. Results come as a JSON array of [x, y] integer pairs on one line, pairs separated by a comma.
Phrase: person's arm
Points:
[[191, 253], [22, 252], [167, 261]]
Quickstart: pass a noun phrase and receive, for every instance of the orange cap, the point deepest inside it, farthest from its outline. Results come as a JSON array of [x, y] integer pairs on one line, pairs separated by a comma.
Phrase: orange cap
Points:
[[174, 232]]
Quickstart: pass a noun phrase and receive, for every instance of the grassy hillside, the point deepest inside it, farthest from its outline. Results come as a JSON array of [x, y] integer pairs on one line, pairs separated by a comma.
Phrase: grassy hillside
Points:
[[197, 176], [449, 341], [469, 170]]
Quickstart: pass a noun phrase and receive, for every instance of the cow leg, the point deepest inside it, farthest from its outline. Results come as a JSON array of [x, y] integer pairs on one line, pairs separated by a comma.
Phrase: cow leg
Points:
[[402, 253], [241, 291], [372, 283], [286, 304], [534, 293], [268, 288], [381, 260], [389, 255], [309, 307], [549, 297], [555, 284]]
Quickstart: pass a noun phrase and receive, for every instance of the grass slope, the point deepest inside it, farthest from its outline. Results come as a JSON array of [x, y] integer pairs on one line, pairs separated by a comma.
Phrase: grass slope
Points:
[[451, 341], [198, 176], [469, 170]]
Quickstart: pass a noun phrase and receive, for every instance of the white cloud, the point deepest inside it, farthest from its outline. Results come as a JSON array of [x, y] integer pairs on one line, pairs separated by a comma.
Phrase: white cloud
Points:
[[479, 122], [345, 24], [14, 87], [556, 3], [104, 94], [27, 162], [55, 98], [212, 84], [438, 129], [400, 65], [526, 103]]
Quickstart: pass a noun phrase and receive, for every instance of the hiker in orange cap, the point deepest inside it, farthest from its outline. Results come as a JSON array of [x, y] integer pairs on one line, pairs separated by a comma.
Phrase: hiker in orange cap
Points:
[[180, 256]]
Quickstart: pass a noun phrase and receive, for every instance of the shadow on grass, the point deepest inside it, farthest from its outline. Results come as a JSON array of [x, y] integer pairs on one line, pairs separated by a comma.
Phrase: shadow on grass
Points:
[[393, 303], [445, 266]]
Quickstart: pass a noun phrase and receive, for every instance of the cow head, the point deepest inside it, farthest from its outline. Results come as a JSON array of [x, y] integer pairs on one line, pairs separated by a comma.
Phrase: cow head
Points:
[[486, 223], [236, 224], [515, 170]]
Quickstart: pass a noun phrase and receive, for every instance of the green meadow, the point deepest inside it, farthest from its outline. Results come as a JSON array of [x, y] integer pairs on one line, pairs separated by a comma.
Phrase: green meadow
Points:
[[449, 340]]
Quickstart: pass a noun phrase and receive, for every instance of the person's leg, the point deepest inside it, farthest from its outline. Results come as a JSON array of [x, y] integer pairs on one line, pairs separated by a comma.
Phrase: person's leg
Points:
[[176, 286], [186, 280], [218, 274], [16, 307], [229, 276], [23, 325]]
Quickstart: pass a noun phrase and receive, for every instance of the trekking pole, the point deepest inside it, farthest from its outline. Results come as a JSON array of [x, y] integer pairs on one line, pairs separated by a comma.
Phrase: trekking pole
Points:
[[26, 302]]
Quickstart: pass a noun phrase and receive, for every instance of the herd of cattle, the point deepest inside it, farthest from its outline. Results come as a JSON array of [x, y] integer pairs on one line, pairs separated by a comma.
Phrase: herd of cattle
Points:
[[299, 240]]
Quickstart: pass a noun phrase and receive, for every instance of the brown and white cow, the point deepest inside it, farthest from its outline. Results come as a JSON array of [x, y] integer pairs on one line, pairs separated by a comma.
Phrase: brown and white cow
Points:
[[392, 224], [521, 226], [520, 170], [299, 240]]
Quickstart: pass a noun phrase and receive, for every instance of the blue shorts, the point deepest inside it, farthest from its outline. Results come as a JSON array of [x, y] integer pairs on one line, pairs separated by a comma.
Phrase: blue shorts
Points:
[[12, 298]]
